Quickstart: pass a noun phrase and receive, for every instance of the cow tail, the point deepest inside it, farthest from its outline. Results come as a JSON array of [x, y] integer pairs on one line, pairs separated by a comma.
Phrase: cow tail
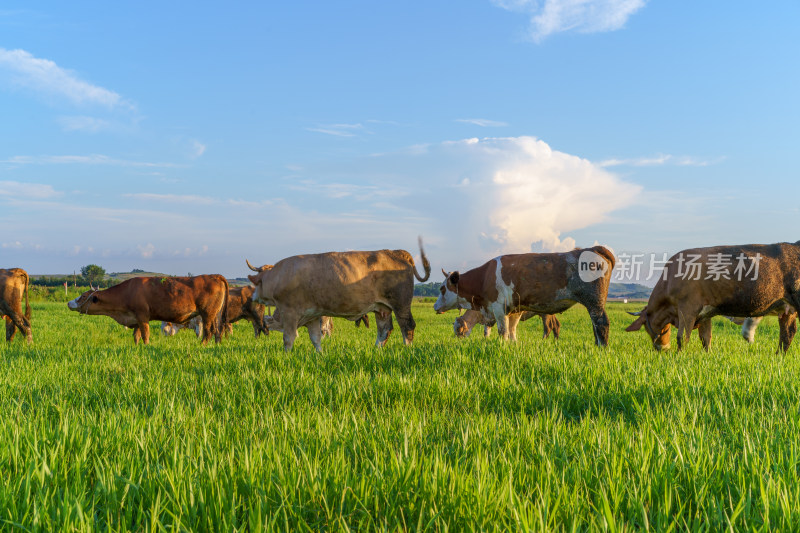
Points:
[[27, 304], [426, 265], [223, 320], [607, 255]]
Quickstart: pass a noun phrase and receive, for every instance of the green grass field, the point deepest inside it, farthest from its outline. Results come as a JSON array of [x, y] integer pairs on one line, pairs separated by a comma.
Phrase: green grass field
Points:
[[96, 433]]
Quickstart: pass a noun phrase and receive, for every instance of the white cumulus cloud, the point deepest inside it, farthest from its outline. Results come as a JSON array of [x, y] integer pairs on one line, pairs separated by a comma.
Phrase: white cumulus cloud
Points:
[[583, 16]]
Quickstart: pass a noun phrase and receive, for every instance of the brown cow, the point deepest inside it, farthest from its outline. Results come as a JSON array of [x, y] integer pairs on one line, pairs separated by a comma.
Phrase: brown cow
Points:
[[13, 286], [543, 283], [748, 280], [304, 288], [241, 306], [137, 301], [464, 324]]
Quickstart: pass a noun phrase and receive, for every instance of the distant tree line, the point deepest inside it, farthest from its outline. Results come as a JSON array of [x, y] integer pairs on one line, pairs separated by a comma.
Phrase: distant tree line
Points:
[[427, 289], [90, 275]]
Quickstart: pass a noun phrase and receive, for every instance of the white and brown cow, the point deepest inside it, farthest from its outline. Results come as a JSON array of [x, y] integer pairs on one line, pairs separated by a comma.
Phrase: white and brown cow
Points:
[[137, 301], [13, 287], [547, 283], [304, 288], [750, 280], [463, 325], [750, 323], [168, 329]]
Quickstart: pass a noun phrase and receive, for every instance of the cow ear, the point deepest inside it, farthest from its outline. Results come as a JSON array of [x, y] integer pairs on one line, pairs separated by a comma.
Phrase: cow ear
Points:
[[637, 324], [454, 276], [94, 299], [253, 279]]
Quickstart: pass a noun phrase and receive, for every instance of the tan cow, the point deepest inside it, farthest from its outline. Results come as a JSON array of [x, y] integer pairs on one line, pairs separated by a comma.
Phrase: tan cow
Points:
[[13, 287], [542, 283], [748, 280], [463, 325], [137, 301], [304, 288]]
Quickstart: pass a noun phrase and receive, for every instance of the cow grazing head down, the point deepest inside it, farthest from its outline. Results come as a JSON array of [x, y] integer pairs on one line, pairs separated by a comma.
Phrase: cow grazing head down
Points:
[[461, 328], [660, 338], [448, 294]]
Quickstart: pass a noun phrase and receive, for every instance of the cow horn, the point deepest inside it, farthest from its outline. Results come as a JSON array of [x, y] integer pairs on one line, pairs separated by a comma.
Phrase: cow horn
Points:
[[259, 269], [445, 273], [91, 286], [637, 313]]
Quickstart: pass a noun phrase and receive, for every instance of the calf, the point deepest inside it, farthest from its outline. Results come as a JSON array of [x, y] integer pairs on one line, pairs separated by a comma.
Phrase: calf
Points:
[[751, 280], [168, 329], [750, 324], [137, 301], [464, 324], [13, 287], [542, 283]]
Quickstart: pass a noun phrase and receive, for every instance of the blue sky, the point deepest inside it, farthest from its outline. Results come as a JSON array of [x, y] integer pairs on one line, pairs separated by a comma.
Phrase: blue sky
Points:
[[185, 137]]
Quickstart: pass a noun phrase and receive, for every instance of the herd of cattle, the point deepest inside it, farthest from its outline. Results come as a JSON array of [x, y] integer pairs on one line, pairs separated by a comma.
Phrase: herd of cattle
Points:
[[306, 290]]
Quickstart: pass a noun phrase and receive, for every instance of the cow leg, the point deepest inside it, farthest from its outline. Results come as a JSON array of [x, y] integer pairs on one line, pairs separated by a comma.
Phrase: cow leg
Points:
[[407, 326], [500, 318], [487, 330], [383, 323], [749, 326], [145, 328], [315, 333], [513, 322], [686, 322], [788, 327], [11, 329], [20, 322], [210, 328], [704, 331], [545, 326], [554, 323], [599, 325], [137, 335]]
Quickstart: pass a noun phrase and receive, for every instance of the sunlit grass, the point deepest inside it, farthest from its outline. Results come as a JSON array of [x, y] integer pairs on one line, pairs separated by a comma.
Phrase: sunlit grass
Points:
[[96, 433]]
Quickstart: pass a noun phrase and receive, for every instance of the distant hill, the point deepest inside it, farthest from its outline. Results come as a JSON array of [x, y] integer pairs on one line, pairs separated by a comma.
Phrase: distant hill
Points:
[[632, 291]]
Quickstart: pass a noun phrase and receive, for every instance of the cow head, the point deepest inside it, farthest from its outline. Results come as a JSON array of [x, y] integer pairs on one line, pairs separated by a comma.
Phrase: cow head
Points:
[[449, 297], [85, 301], [660, 337], [461, 328], [257, 280]]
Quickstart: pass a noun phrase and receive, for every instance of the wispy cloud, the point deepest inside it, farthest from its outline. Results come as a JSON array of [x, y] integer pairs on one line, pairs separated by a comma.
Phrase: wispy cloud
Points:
[[80, 123], [339, 130], [45, 76], [36, 191], [92, 159], [484, 123], [582, 16], [661, 159], [191, 199], [198, 148]]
